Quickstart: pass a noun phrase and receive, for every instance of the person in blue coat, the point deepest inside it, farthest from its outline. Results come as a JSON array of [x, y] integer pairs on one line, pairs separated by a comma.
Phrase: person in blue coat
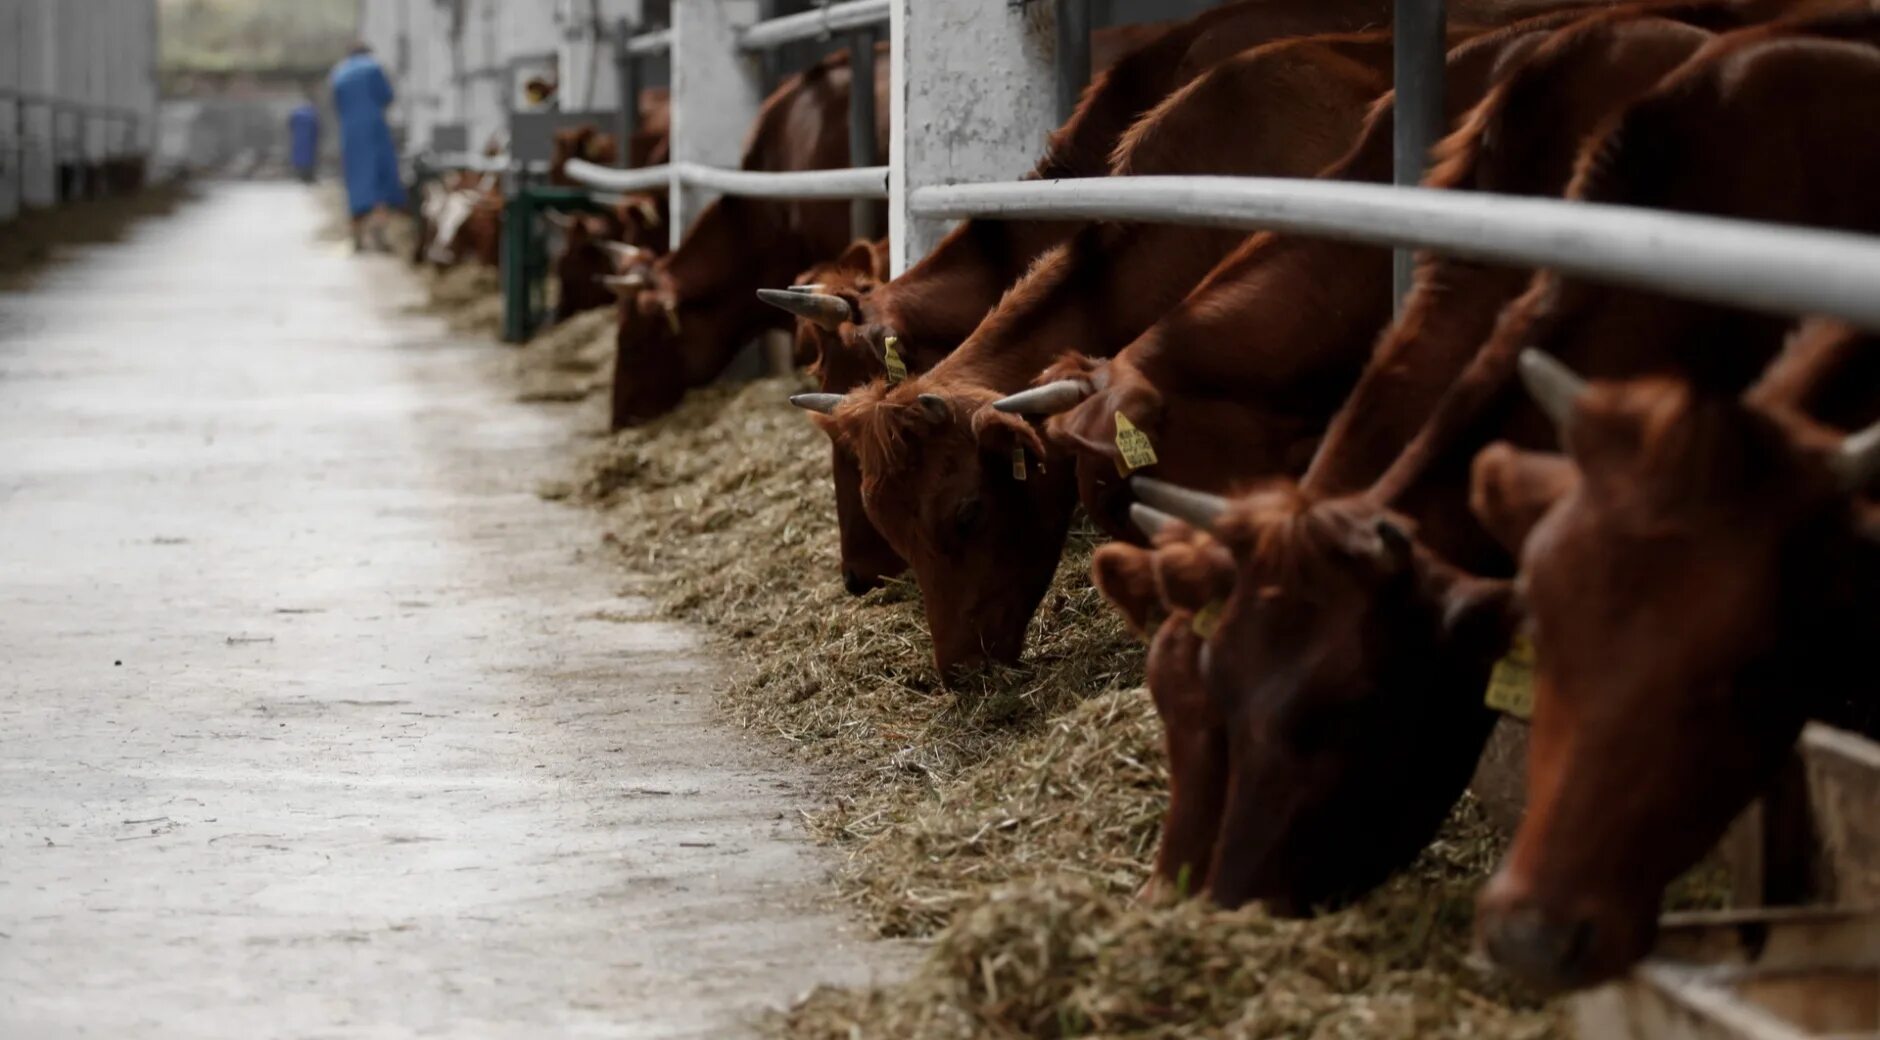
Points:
[[361, 94], [303, 139]]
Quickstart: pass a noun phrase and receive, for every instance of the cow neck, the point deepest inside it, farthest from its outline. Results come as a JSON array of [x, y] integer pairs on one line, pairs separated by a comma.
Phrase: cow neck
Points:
[[936, 304]]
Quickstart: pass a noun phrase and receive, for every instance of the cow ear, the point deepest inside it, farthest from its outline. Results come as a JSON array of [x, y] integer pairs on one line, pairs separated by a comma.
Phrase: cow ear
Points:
[[1480, 615], [1193, 571], [1510, 490], [859, 256], [999, 432], [1125, 576]]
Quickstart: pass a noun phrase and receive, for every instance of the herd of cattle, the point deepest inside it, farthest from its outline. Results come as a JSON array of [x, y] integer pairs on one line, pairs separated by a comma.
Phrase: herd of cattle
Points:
[[1331, 522]]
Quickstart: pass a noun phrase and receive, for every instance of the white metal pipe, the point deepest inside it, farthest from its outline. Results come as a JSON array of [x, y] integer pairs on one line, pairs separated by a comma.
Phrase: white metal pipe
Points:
[[606, 178], [1733, 262], [650, 44], [869, 182], [814, 25]]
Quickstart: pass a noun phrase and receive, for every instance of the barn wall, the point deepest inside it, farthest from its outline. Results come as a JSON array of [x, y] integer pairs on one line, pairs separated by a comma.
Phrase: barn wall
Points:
[[97, 61]]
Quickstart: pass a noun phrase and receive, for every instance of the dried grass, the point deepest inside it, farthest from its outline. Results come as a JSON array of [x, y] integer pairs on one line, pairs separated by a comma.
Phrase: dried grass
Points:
[[36, 238], [1009, 818]]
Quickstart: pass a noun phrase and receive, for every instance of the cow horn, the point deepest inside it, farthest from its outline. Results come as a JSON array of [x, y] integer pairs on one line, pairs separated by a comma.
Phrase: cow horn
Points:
[[636, 280], [558, 218], [935, 406], [813, 287], [1857, 461], [1197, 507], [1553, 385], [622, 251], [1060, 395], [1149, 520], [825, 310], [824, 403]]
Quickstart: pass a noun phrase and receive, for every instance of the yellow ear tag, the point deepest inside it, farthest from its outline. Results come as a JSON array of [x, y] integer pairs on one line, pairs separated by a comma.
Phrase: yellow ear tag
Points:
[[1207, 619], [897, 369], [1511, 683], [1134, 445], [1018, 464]]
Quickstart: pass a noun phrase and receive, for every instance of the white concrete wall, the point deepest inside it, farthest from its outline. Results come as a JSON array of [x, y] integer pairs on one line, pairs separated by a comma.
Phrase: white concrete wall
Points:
[[11, 13], [588, 83], [973, 99], [716, 92], [99, 53]]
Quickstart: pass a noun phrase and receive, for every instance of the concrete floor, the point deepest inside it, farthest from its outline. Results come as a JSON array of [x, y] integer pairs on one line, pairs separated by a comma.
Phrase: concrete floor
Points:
[[314, 720]]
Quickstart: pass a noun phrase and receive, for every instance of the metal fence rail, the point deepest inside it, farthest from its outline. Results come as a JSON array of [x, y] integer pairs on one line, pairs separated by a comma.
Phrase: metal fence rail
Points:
[[814, 25], [867, 182], [1734, 262]]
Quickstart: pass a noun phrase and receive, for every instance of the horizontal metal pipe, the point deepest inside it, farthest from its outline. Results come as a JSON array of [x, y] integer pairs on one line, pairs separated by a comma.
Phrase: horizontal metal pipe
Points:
[[606, 178], [813, 25], [869, 182], [1733, 262], [467, 161], [648, 44]]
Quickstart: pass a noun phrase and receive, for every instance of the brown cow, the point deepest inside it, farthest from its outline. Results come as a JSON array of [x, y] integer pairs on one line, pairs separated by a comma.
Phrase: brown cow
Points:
[[701, 306], [1340, 614], [948, 481], [1699, 585], [1305, 332], [1190, 382], [932, 307]]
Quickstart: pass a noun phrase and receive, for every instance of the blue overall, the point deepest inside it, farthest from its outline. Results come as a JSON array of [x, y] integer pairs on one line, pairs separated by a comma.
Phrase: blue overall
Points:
[[303, 137], [361, 94]]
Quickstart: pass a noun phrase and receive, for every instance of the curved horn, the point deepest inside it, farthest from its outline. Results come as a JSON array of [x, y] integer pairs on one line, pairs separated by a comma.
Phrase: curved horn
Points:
[[813, 287], [1553, 385], [824, 403], [826, 311], [621, 250], [558, 218], [1197, 507], [636, 280], [1060, 395], [1857, 461], [1149, 520]]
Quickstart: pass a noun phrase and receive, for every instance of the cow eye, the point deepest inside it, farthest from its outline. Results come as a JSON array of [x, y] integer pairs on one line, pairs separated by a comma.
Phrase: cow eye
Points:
[[968, 518]]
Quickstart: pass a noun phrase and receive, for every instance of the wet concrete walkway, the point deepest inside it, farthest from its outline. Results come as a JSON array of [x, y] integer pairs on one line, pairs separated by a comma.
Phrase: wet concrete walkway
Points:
[[314, 720]]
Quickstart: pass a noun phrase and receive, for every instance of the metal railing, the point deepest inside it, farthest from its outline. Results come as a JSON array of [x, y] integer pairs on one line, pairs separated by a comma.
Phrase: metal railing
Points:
[[864, 182], [818, 24], [1735, 262]]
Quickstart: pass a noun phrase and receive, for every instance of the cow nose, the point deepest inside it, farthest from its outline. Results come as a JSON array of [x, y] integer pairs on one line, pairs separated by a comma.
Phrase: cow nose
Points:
[[858, 585], [1543, 950]]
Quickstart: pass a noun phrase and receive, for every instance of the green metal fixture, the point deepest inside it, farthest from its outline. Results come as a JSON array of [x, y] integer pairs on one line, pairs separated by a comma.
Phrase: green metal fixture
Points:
[[525, 254]]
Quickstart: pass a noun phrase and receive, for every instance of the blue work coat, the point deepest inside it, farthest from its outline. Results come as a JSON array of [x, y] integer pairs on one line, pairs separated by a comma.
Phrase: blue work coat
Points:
[[303, 137], [361, 94]]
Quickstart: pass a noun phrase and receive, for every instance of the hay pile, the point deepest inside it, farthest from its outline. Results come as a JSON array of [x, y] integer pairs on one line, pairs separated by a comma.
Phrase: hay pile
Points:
[[1011, 818], [36, 237], [570, 361], [469, 297]]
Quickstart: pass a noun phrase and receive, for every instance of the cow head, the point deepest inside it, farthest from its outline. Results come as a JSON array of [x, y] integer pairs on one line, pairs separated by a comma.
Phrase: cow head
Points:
[[455, 215], [1081, 398], [642, 220], [1181, 579], [940, 481], [1690, 582], [824, 299], [586, 262], [1347, 665]]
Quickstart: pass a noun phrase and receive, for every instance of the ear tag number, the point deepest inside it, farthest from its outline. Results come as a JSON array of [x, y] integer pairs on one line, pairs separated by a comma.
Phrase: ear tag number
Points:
[[1018, 464], [1511, 683], [897, 369], [1207, 619], [1134, 446]]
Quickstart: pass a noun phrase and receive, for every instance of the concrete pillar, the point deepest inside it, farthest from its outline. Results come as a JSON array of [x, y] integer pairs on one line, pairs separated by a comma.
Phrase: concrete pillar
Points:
[[716, 92], [974, 97]]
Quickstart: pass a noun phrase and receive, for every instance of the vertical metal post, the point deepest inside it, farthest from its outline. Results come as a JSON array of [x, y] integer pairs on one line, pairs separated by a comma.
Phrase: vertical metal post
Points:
[[627, 75], [1073, 54], [963, 70], [862, 144], [717, 91], [1419, 106]]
